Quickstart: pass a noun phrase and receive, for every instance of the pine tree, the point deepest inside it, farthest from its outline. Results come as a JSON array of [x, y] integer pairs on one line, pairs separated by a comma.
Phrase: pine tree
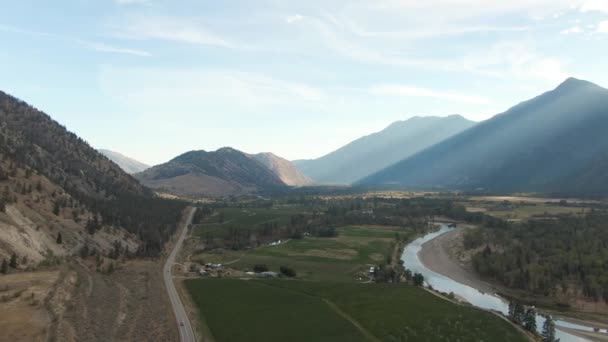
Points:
[[59, 238], [519, 313], [13, 262], [530, 320], [548, 333], [4, 267]]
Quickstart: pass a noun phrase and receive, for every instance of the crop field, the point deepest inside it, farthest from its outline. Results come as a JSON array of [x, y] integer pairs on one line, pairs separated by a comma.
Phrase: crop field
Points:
[[522, 210], [338, 258], [279, 310]]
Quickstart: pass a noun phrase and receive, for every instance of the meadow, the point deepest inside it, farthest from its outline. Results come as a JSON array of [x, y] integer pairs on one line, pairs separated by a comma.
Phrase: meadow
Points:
[[283, 310], [345, 257]]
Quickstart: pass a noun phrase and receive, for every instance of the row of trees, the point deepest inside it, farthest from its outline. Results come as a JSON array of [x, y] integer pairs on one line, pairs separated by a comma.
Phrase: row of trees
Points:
[[526, 317]]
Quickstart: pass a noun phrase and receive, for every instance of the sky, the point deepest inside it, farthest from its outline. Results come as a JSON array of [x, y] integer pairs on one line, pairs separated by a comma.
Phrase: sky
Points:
[[155, 78]]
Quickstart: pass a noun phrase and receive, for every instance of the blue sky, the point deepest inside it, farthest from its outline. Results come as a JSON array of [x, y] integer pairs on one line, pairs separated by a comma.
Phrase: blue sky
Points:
[[152, 79]]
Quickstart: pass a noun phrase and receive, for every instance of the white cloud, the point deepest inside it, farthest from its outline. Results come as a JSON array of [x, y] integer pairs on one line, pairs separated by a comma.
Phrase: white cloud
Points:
[[174, 29], [595, 5], [294, 18], [414, 91], [603, 27], [573, 30]]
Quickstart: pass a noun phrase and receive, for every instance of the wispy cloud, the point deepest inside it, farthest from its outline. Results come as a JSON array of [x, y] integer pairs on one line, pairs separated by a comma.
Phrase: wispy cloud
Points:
[[115, 49], [414, 91], [91, 45], [603, 27], [174, 29]]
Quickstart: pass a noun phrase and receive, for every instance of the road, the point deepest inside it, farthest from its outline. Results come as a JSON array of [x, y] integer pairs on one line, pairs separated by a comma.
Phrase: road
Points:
[[186, 334]]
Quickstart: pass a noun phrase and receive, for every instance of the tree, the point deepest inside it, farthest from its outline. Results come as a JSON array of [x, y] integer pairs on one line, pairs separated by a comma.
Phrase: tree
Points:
[[4, 267], [519, 312], [530, 320], [548, 333], [13, 262], [287, 271], [59, 238], [259, 268], [2, 205], [418, 279], [221, 217]]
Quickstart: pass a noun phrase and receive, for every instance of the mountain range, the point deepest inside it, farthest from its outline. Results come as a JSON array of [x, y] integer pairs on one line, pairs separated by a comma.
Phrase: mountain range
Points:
[[377, 151], [226, 171], [129, 165], [556, 142]]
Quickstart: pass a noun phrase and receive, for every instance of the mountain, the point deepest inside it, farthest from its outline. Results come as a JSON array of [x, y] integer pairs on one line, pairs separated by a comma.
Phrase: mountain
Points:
[[129, 165], [374, 152], [283, 168], [556, 142], [53, 183], [211, 174]]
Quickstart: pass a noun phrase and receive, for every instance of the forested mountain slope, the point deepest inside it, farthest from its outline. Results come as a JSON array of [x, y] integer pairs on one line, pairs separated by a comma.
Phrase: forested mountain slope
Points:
[[556, 142], [53, 182], [374, 152]]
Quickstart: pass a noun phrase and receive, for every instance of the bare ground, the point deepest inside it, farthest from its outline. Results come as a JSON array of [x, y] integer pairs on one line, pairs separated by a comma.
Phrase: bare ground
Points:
[[127, 305]]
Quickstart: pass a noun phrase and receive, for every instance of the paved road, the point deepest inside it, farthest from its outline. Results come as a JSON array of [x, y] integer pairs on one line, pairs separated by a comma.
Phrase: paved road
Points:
[[186, 334]]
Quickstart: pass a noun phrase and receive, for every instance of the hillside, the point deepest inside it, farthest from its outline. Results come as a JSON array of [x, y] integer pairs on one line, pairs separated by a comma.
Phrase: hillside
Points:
[[556, 142], [211, 174], [374, 152], [129, 165], [53, 183], [283, 168]]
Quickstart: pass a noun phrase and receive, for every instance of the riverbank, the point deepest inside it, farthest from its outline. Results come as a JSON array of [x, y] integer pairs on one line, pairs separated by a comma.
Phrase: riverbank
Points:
[[434, 255]]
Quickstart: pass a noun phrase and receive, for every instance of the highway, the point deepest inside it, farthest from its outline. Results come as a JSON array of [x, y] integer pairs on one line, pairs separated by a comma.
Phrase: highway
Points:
[[186, 334]]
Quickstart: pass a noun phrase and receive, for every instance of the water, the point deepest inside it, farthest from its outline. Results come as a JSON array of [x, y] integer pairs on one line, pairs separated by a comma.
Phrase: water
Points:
[[471, 295]]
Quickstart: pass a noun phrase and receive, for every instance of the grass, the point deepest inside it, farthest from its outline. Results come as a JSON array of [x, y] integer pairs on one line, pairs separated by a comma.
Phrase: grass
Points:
[[342, 258], [278, 310]]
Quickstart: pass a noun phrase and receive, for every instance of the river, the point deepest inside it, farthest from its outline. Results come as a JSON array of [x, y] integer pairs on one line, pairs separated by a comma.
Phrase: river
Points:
[[472, 295]]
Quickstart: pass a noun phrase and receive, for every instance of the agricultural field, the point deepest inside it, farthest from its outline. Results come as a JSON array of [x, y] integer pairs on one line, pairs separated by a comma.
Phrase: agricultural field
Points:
[[342, 258], [523, 209], [283, 310]]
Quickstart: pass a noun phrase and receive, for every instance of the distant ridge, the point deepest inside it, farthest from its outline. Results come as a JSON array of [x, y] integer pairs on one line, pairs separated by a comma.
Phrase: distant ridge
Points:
[[212, 174], [376, 151], [283, 168], [555, 142], [128, 164]]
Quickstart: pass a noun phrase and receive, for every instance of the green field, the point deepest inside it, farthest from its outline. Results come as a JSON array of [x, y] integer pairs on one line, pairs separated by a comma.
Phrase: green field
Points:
[[344, 257], [278, 310]]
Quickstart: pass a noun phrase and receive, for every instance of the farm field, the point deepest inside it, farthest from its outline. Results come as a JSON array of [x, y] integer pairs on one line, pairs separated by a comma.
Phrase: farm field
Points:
[[522, 210], [273, 310], [341, 258]]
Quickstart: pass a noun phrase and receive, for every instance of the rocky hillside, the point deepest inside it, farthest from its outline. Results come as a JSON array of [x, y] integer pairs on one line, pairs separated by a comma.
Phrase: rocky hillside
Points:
[[283, 168], [129, 165], [58, 194], [376, 151], [212, 174], [554, 143]]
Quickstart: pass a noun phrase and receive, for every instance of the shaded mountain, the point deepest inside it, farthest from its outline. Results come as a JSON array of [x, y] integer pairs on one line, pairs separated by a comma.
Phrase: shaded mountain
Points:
[[556, 142], [376, 151], [129, 165], [220, 173], [53, 182], [283, 168]]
